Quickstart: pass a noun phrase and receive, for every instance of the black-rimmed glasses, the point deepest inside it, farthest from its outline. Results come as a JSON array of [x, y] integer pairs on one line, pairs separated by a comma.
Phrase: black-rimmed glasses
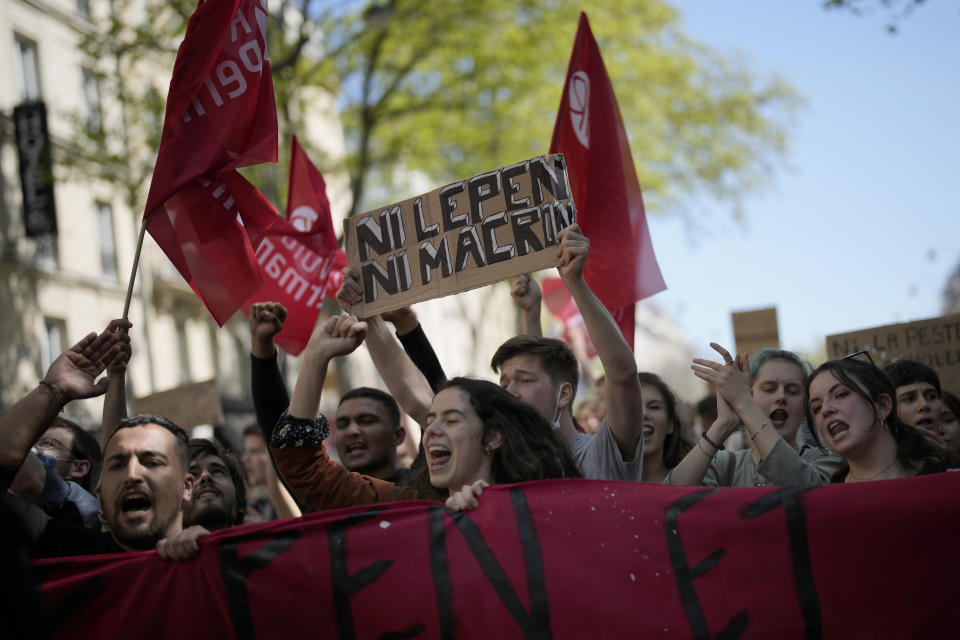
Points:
[[857, 354]]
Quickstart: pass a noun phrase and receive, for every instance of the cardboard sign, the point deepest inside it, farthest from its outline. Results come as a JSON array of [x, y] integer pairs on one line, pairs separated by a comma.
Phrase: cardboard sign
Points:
[[187, 405], [935, 342], [550, 559], [756, 330], [462, 236]]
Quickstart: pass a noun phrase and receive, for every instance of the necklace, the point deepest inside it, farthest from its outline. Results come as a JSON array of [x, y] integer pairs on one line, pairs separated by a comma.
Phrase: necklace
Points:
[[876, 475]]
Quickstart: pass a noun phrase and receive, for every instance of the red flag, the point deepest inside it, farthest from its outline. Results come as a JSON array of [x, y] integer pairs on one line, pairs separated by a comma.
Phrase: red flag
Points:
[[220, 116], [298, 255], [589, 132]]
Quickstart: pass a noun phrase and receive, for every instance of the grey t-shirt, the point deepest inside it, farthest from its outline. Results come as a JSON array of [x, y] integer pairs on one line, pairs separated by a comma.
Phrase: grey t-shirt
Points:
[[598, 456]]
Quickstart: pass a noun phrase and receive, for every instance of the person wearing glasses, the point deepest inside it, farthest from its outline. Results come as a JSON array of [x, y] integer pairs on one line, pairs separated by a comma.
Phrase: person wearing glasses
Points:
[[853, 406], [61, 473], [764, 393]]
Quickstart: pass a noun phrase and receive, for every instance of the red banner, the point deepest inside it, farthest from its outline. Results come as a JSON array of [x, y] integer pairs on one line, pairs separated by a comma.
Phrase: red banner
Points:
[[298, 256], [220, 116], [589, 132], [560, 558]]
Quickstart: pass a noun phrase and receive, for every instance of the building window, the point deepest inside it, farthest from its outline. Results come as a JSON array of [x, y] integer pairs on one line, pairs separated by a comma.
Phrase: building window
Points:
[[54, 341], [108, 252], [91, 96], [183, 353], [28, 69], [47, 251]]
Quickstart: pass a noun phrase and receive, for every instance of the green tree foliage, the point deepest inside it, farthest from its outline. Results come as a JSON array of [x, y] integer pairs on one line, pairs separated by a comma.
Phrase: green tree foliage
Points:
[[450, 89], [896, 10]]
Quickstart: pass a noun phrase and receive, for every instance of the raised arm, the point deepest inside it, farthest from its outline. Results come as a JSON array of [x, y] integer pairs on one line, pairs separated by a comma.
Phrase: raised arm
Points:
[[732, 381], [404, 380], [780, 462], [417, 345], [115, 400], [338, 336], [73, 375], [270, 396], [297, 443], [624, 400], [694, 466], [527, 296]]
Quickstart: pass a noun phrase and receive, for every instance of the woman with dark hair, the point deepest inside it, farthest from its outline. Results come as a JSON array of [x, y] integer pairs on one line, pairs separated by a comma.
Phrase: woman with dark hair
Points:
[[663, 446], [475, 432], [853, 405], [765, 394]]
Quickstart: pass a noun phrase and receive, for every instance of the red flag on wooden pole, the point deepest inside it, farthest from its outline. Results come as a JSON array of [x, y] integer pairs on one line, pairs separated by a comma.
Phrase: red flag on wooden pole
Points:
[[298, 255], [589, 132], [220, 116]]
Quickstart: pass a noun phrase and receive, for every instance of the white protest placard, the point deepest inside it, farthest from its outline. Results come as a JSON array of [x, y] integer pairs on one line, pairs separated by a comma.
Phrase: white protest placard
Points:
[[464, 235]]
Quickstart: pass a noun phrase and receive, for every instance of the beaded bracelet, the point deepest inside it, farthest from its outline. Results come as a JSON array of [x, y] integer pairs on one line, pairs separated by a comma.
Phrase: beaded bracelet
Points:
[[718, 447], [762, 427]]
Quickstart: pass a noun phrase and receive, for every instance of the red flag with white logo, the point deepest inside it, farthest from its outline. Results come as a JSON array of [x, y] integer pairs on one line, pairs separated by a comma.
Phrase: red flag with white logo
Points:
[[298, 255], [589, 132], [220, 116]]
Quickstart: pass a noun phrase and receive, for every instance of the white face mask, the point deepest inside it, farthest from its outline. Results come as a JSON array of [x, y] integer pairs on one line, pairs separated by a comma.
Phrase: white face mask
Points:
[[557, 412]]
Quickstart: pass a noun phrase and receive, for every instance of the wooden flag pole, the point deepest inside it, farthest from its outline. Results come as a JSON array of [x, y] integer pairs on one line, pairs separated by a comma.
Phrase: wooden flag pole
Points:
[[133, 269]]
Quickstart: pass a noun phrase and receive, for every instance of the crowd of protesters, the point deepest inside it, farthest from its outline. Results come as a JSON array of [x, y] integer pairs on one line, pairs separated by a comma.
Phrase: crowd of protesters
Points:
[[774, 420]]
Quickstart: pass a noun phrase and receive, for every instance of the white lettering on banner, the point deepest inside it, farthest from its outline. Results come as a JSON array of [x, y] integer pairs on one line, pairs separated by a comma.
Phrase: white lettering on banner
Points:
[[250, 56], [228, 76], [579, 100], [264, 250], [216, 190], [290, 276], [275, 264], [234, 77], [261, 14], [292, 279], [240, 20]]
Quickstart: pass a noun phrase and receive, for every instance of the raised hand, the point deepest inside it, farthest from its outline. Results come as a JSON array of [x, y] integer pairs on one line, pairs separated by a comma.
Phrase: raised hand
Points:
[[526, 293], [932, 436], [572, 252], [74, 373], [732, 379], [120, 328], [266, 321], [351, 289], [338, 336], [404, 319]]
